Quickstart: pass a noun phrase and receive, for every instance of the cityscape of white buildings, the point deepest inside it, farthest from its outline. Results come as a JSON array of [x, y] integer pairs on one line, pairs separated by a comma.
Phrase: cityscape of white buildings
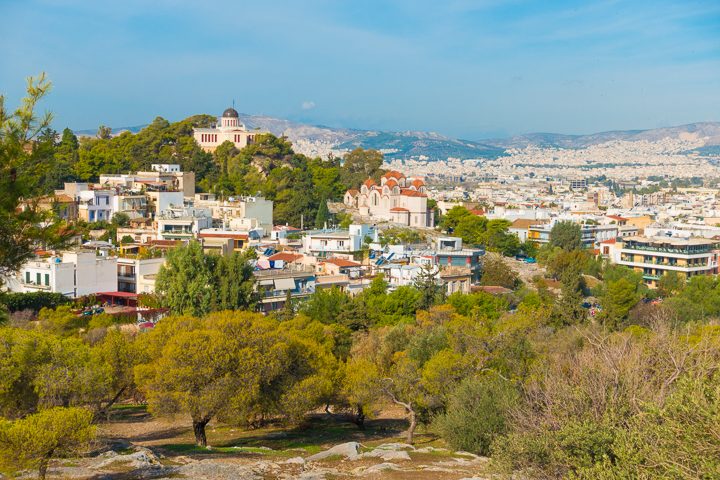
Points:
[[614, 191]]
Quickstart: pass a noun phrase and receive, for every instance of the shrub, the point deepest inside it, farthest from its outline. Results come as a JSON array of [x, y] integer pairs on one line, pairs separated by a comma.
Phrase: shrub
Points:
[[35, 301], [476, 413]]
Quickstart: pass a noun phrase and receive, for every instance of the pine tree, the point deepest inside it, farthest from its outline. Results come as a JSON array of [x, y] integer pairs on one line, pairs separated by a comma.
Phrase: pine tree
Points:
[[323, 214]]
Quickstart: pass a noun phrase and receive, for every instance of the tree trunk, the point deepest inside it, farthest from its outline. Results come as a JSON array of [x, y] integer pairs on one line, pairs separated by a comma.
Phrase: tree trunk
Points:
[[360, 417], [413, 424], [42, 468], [105, 411], [199, 430]]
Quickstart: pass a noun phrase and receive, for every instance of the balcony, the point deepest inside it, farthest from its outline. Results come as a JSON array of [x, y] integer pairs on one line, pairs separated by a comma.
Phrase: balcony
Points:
[[681, 251], [281, 294], [35, 286]]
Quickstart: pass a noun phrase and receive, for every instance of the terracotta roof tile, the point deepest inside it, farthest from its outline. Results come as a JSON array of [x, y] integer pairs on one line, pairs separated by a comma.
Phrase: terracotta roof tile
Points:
[[341, 262], [285, 257], [408, 192]]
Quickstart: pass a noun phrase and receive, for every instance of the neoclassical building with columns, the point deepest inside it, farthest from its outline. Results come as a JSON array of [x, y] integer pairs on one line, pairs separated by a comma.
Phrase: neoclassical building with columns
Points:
[[229, 128], [397, 199]]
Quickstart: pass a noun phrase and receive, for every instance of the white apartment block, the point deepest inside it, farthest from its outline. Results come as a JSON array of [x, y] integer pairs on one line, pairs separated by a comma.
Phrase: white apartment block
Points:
[[323, 243], [74, 274], [137, 275], [240, 213]]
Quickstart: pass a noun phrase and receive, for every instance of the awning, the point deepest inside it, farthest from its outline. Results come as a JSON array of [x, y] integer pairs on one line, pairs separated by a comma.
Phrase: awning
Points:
[[284, 283], [265, 282]]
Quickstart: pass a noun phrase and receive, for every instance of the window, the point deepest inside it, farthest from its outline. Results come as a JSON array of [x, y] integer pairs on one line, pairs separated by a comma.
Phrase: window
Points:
[[37, 278], [27, 277], [47, 279], [341, 243]]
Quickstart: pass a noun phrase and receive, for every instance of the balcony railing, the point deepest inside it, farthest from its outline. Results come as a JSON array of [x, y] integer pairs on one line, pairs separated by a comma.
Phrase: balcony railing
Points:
[[296, 292], [683, 251], [38, 286]]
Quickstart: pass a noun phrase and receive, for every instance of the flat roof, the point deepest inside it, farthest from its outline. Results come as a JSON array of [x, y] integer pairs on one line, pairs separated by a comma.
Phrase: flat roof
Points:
[[670, 240]]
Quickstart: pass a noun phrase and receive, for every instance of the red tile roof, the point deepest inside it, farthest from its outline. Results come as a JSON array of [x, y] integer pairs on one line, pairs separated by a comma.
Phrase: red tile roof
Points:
[[285, 257], [341, 262], [399, 209], [369, 182], [408, 192], [352, 192], [394, 174]]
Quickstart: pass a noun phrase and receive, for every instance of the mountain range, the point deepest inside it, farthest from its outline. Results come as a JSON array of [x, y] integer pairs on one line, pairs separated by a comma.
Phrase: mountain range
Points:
[[322, 140]]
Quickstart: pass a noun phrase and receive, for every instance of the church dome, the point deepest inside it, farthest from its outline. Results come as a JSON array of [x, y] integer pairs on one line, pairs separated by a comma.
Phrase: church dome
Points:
[[230, 113]]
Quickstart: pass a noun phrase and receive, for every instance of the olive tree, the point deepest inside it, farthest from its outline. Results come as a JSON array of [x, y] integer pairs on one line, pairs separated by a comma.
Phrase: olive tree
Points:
[[31, 442]]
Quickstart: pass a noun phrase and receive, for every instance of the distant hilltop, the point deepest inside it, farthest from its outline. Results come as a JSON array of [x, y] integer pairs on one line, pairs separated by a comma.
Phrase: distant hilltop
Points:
[[322, 140]]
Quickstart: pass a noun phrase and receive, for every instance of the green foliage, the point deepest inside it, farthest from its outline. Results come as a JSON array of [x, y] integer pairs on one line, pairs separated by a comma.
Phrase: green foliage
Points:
[[566, 235], [191, 282], [359, 165], [475, 230], [568, 308], [427, 283], [40, 369], [234, 366], [323, 214], [478, 305], [26, 145], [31, 442], [398, 236], [159, 142], [668, 441], [497, 272], [670, 284], [121, 219], [633, 404], [325, 305], [476, 413], [35, 301], [619, 297], [698, 300], [298, 185]]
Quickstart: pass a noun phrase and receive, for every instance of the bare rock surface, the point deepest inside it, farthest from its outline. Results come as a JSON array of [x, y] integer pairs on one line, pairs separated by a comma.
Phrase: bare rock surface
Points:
[[348, 450]]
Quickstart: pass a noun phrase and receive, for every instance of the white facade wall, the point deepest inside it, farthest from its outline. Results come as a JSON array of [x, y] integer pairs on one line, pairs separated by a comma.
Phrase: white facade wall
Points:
[[96, 205], [166, 200], [74, 274], [93, 274]]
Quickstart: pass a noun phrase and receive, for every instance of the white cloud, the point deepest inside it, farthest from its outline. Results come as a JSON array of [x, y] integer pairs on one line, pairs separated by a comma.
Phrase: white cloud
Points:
[[307, 105]]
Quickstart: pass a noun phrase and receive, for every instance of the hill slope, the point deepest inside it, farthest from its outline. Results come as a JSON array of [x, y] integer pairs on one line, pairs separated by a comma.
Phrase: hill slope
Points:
[[318, 140]]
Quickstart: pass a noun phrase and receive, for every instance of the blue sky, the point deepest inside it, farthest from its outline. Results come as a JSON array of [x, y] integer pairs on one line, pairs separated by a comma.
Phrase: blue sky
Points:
[[466, 68]]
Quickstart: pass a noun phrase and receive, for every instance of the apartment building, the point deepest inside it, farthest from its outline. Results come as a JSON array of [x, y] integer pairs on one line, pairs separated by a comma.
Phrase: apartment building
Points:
[[136, 275], [73, 274], [324, 243], [656, 256], [591, 235], [161, 177], [275, 286]]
